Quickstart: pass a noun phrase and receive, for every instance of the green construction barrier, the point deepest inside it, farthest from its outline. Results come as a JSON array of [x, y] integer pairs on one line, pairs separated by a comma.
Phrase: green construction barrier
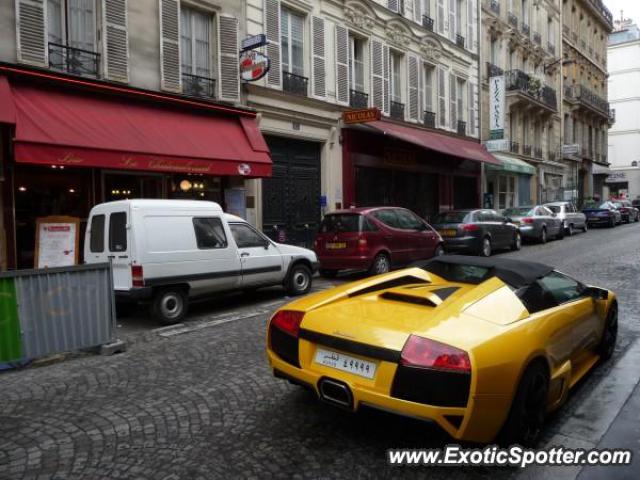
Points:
[[10, 338]]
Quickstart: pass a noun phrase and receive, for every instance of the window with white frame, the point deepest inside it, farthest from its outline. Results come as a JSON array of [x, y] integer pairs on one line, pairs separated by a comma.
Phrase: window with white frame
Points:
[[356, 63], [429, 88], [506, 191], [396, 83], [196, 45], [461, 98], [72, 23], [460, 13], [292, 42]]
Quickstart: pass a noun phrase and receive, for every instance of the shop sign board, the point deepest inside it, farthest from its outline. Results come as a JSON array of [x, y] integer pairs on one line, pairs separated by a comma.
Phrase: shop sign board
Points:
[[497, 145], [361, 116], [255, 41], [57, 241], [253, 65], [496, 107], [616, 177]]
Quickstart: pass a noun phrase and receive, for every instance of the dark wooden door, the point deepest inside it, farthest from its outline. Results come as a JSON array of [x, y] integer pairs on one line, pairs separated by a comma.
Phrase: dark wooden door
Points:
[[291, 196]]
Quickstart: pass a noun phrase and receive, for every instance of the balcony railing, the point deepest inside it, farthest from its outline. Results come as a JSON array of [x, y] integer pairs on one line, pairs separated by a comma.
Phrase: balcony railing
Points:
[[198, 86], [525, 29], [296, 84], [358, 99], [537, 38], [494, 6], [514, 147], [462, 127], [602, 10], [537, 153], [517, 80], [460, 41], [396, 110], [429, 119], [427, 22], [551, 48], [512, 19], [526, 150], [74, 60], [494, 70], [590, 99]]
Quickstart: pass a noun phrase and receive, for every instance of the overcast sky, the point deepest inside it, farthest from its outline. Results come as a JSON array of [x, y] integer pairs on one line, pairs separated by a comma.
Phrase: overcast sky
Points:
[[631, 9]]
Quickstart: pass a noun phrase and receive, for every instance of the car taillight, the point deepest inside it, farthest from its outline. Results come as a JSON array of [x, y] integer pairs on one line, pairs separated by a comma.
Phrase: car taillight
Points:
[[426, 353], [362, 244], [137, 276], [288, 321], [470, 227], [527, 220]]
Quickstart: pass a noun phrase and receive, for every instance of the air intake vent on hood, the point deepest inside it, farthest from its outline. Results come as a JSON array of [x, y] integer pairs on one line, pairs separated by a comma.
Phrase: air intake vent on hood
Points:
[[400, 297]]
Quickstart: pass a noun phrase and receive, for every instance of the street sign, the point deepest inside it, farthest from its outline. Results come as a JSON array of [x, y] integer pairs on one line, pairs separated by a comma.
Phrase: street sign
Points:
[[253, 65], [572, 149], [255, 41], [496, 107], [361, 116]]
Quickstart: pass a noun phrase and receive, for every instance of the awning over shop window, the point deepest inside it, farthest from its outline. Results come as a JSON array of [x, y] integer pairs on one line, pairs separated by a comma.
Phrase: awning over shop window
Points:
[[61, 127], [456, 147], [600, 170], [514, 165]]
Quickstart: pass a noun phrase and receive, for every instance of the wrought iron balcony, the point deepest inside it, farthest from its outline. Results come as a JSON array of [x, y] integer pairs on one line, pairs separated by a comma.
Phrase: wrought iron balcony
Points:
[[494, 6], [460, 41], [198, 86], [494, 70], [74, 60], [358, 99], [537, 153], [537, 38], [599, 7], [296, 84], [514, 147], [525, 29], [526, 150], [512, 19], [396, 110], [590, 99], [429, 119], [427, 22], [551, 48], [517, 80], [462, 127]]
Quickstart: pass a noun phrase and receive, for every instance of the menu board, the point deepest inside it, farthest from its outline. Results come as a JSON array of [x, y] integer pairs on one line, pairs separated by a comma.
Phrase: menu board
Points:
[[57, 242]]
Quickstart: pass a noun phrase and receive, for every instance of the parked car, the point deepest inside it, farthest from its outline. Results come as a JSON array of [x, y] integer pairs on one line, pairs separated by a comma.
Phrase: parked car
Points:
[[628, 212], [171, 251], [477, 231], [570, 216], [606, 214], [537, 223], [374, 239]]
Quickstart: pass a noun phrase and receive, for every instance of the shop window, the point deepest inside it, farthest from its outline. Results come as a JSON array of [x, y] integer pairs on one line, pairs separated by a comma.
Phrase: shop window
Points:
[[118, 232], [97, 234], [292, 27], [246, 237], [209, 233]]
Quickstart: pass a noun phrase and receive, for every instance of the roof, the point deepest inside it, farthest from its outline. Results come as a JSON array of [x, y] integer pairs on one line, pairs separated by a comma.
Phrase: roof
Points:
[[151, 203], [516, 273]]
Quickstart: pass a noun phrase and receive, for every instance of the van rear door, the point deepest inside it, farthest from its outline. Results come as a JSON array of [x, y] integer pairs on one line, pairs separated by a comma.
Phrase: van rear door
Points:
[[119, 246]]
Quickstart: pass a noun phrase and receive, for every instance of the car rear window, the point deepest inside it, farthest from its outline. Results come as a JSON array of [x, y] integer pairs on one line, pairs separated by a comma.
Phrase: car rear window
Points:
[[96, 242], [118, 232], [555, 208], [451, 217], [459, 273], [348, 223]]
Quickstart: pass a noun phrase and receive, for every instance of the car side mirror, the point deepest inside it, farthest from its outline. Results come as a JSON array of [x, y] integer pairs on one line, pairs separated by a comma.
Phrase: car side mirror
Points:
[[597, 293]]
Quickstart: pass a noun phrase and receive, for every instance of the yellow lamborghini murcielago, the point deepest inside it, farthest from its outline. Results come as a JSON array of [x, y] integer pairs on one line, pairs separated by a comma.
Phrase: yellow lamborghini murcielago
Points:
[[484, 347]]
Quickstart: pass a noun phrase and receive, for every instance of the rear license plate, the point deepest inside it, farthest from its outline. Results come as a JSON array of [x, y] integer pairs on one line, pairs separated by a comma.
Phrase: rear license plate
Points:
[[346, 363], [448, 233], [336, 245]]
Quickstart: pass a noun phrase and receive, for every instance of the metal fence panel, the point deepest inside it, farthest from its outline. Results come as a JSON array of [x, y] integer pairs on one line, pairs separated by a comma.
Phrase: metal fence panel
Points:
[[63, 309], [10, 344]]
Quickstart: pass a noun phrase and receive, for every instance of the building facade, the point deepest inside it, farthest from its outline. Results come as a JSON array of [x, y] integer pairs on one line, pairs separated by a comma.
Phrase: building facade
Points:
[[521, 44], [586, 25], [416, 61], [113, 99], [624, 135]]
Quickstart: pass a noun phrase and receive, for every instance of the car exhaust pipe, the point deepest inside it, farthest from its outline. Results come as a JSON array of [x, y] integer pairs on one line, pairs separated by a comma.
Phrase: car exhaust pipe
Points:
[[336, 393]]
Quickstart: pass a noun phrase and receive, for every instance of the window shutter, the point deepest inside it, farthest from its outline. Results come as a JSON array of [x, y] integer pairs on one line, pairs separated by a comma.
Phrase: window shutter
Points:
[[170, 45], [417, 11], [386, 71], [377, 74], [342, 65], [442, 97], [393, 5], [471, 131], [441, 17], [318, 71], [452, 20], [31, 33], [453, 103], [229, 70], [413, 85], [272, 30], [472, 42], [116, 40]]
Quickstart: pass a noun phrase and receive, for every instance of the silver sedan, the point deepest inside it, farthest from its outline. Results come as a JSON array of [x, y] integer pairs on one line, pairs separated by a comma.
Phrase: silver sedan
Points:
[[571, 217], [536, 222]]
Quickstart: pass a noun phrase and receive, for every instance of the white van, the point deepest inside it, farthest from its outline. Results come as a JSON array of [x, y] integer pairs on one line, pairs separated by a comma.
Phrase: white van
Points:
[[170, 251]]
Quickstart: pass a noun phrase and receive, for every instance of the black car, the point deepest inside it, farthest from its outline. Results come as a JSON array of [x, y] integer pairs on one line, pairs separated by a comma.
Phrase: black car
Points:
[[606, 214], [477, 231]]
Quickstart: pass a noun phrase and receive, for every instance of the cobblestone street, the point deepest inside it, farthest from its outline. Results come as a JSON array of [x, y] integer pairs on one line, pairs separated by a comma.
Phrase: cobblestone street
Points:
[[200, 402]]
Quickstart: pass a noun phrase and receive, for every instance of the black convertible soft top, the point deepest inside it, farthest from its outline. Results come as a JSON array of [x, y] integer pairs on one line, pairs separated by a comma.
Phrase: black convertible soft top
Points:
[[516, 273]]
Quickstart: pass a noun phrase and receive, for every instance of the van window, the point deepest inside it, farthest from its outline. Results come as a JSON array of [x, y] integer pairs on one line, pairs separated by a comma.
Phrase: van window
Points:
[[96, 242], [118, 232], [245, 236], [209, 233]]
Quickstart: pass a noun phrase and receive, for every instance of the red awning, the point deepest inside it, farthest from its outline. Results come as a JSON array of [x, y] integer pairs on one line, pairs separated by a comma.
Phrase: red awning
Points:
[[86, 129], [456, 147]]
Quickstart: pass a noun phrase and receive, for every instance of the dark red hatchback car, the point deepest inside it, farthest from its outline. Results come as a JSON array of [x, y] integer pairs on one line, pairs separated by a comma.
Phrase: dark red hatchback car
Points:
[[374, 239]]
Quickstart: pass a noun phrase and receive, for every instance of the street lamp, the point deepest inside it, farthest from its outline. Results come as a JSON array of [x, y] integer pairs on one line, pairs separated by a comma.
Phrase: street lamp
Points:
[[565, 61]]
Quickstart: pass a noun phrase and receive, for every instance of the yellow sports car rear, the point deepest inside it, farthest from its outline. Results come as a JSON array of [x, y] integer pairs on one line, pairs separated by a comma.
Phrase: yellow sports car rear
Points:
[[482, 347]]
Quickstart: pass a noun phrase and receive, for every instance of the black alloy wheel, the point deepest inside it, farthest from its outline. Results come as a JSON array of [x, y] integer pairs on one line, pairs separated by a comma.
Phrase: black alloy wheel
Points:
[[609, 334]]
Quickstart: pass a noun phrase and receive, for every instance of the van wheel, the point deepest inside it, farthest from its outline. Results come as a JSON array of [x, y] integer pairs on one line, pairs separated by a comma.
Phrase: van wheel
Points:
[[170, 305], [299, 280]]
